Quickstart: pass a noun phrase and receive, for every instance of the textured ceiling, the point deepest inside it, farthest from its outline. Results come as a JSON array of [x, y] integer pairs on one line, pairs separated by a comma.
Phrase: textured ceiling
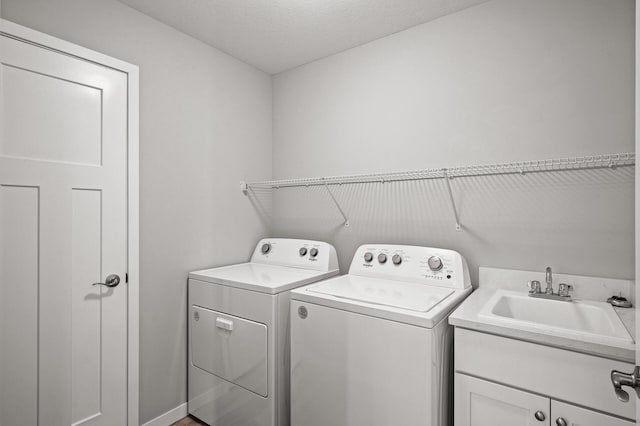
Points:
[[276, 35]]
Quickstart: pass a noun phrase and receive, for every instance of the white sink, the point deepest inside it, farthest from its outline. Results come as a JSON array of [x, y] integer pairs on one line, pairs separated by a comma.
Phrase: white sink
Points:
[[594, 321]]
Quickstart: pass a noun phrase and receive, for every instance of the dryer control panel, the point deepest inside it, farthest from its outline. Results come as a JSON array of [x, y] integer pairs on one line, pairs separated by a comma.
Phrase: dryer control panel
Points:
[[306, 254], [432, 266]]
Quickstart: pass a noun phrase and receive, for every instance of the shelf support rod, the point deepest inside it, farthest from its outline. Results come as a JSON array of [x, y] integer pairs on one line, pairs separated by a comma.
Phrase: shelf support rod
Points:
[[346, 219], [453, 203]]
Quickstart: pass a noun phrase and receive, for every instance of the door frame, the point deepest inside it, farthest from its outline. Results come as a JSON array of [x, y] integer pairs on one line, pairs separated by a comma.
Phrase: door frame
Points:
[[18, 32]]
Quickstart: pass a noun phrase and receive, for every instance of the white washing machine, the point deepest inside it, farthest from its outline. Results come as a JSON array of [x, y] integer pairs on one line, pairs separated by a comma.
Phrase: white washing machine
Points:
[[373, 347], [239, 332]]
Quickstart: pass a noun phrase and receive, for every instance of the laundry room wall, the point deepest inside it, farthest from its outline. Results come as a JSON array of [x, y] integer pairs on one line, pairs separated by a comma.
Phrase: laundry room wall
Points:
[[507, 80], [205, 124]]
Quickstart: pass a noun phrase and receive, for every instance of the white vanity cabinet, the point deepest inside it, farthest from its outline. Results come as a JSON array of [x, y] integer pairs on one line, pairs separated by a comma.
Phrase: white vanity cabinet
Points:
[[500, 380], [483, 403]]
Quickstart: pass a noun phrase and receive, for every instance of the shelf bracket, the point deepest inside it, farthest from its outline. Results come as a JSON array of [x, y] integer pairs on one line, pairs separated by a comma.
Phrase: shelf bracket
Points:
[[346, 219], [447, 178]]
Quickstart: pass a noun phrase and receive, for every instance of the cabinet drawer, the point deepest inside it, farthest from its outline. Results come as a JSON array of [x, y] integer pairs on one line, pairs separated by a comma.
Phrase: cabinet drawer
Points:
[[561, 374]]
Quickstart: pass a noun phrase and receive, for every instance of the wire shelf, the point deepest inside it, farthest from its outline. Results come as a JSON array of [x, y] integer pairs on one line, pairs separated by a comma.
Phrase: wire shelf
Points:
[[532, 166], [627, 159]]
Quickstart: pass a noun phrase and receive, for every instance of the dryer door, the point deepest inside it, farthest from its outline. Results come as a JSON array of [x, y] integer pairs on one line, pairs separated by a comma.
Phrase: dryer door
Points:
[[232, 348]]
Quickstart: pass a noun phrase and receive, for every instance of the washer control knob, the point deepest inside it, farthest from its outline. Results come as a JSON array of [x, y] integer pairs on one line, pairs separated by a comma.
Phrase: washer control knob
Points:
[[313, 252], [368, 257], [396, 259], [382, 258], [435, 263], [266, 248], [303, 251]]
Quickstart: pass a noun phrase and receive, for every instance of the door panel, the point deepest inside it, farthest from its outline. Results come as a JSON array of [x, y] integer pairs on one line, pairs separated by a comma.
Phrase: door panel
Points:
[[86, 307], [483, 403], [63, 141], [576, 416], [18, 305], [66, 111], [232, 348]]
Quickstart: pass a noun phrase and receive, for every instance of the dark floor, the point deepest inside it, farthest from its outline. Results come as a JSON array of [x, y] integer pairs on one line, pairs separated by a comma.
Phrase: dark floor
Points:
[[188, 421]]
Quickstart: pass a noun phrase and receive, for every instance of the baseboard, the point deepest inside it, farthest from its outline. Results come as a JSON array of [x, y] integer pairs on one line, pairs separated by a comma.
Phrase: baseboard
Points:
[[169, 417]]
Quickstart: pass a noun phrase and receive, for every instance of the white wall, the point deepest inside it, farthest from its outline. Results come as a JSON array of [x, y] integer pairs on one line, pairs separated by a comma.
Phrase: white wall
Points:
[[205, 124], [503, 81]]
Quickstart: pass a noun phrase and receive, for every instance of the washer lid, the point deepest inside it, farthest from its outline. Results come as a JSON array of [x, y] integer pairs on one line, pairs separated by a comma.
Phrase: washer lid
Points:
[[261, 277], [397, 294]]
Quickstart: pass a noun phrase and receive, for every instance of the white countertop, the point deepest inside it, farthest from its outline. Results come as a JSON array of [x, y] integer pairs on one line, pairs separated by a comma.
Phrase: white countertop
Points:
[[467, 315]]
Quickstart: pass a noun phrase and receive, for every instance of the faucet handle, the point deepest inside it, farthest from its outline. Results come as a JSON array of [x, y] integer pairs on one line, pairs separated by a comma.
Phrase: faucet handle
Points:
[[534, 286], [564, 290], [619, 301]]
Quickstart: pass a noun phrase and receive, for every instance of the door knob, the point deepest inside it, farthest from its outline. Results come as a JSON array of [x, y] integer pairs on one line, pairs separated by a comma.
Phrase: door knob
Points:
[[112, 281], [619, 379]]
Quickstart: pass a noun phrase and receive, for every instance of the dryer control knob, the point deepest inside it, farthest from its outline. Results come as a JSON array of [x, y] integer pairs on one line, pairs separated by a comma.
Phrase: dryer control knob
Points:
[[303, 251], [435, 263], [313, 252], [368, 257], [396, 259], [266, 248], [382, 258]]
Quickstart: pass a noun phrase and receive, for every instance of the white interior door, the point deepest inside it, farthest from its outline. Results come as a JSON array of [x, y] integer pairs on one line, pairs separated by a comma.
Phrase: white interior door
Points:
[[63, 227]]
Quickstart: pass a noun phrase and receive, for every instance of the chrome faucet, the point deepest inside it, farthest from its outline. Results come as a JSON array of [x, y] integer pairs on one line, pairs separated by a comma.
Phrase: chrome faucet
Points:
[[548, 278], [564, 290]]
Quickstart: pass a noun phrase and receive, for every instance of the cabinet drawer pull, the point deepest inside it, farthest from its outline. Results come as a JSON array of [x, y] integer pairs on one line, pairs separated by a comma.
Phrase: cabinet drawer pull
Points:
[[561, 421], [539, 415]]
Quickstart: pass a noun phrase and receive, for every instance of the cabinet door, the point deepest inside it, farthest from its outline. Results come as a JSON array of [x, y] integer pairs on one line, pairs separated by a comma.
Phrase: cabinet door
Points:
[[576, 416], [482, 403]]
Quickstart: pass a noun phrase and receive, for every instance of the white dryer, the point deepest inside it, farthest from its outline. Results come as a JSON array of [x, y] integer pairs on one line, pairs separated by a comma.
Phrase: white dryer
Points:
[[239, 332], [373, 347]]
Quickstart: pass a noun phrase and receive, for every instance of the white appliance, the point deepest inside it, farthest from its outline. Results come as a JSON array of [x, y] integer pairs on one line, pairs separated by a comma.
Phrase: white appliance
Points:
[[373, 347], [239, 332]]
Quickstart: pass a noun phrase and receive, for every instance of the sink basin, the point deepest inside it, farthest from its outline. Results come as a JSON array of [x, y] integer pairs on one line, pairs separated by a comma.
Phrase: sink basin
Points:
[[595, 321]]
